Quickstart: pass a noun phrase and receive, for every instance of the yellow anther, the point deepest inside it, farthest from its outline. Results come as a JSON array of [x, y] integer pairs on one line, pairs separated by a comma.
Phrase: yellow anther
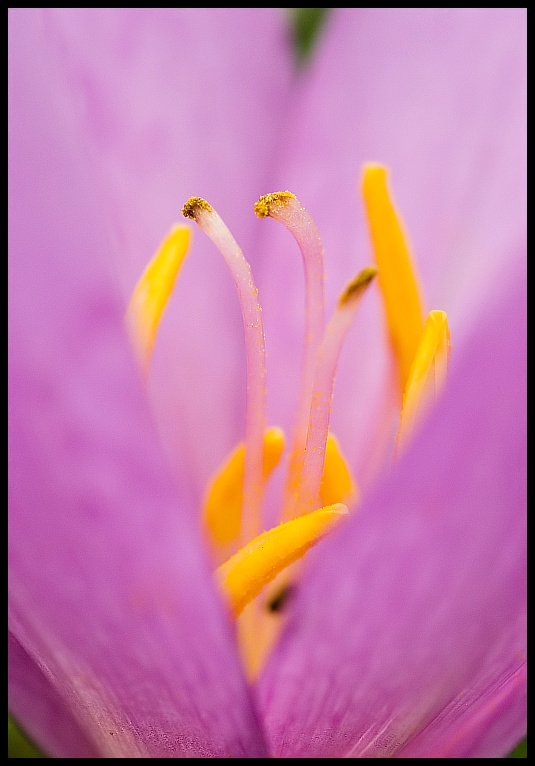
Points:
[[357, 286], [337, 485], [153, 290], [244, 575], [263, 206], [224, 501], [428, 373], [194, 205], [397, 275]]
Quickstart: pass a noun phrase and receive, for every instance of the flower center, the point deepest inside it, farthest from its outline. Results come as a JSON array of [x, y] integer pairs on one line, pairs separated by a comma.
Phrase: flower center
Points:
[[256, 567]]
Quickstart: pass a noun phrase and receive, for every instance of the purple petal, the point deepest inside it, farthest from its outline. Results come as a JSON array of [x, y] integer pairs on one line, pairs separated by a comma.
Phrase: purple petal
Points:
[[439, 96], [33, 698], [487, 719], [175, 103], [410, 626], [111, 599]]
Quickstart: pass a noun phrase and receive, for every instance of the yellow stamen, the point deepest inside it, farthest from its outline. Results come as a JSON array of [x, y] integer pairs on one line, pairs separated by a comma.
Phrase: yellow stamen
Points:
[[397, 275], [317, 472], [337, 485], [244, 575], [259, 624], [153, 290], [224, 502], [428, 373]]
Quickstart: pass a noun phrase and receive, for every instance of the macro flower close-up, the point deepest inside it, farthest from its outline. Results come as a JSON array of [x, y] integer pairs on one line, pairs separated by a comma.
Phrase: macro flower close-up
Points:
[[267, 382]]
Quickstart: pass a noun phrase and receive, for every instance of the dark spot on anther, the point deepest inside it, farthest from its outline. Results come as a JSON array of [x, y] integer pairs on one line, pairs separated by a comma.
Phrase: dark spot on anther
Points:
[[281, 598]]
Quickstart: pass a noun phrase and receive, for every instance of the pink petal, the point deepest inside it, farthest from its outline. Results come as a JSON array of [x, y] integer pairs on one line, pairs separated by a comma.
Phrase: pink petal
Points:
[[110, 595], [409, 630]]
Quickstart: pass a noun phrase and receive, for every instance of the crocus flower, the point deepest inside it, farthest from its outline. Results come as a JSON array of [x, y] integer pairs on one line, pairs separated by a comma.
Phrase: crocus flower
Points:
[[406, 633]]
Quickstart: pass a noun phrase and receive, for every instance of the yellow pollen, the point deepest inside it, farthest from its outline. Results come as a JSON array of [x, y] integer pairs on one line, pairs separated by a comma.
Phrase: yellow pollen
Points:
[[397, 276], [428, 373], [193, 205], [244, 575], [263, 206], [224, 501], [152, 292]]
